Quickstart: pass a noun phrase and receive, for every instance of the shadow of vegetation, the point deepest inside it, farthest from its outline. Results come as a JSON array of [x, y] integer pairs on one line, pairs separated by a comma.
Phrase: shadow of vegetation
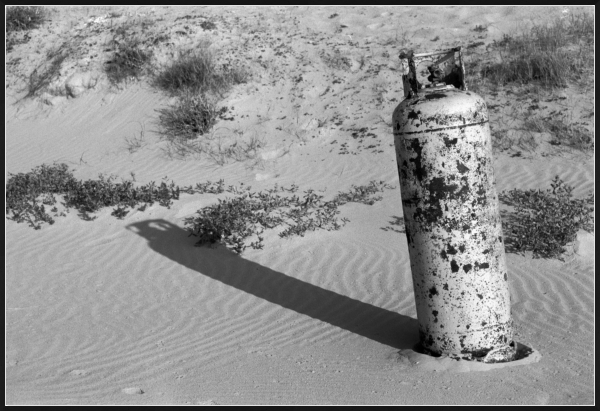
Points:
[[396, 222], [386, 327]]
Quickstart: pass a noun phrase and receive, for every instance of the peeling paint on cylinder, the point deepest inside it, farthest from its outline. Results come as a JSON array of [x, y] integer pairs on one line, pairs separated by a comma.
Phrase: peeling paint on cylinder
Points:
[[444, 154]]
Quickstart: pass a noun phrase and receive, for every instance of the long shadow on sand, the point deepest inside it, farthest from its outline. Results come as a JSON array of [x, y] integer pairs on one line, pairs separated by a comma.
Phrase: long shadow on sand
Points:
[[387, 327]]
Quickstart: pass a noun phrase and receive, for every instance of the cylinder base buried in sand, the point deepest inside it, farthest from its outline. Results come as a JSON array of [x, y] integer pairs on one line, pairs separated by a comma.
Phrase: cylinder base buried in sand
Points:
[[444, 153]]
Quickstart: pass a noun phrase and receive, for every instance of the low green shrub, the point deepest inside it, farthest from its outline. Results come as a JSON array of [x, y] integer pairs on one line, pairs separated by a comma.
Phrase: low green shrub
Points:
[[544, 222], [233, 221], [27, 194], [230, 222]]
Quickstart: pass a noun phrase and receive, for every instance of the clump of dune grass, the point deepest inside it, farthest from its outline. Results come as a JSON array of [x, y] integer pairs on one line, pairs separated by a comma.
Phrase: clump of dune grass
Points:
[[129, 60], [191, 116], [19, 18], [131, 47], [197, 71], [19, 21], [551, 53], [198, 81]]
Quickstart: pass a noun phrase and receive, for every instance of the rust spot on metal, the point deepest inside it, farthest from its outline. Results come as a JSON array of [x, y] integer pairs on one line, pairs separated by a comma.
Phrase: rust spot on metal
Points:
[[454, 266], [434, 96], [432, 291], [461, 167], [450, 142], [451, 250], [420, 172]]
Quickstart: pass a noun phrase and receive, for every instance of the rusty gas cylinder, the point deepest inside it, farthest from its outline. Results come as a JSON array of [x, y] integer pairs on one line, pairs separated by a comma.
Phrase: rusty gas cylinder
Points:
[[444, 154]]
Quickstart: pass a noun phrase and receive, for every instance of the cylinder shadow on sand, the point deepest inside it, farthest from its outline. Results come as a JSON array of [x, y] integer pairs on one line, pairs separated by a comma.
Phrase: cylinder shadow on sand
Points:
[[386, 327]]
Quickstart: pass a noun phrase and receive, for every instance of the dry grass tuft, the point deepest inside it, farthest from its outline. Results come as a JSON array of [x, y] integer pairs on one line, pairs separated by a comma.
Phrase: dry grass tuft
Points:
[[552, 54], [21, 19], [196, 71], [192, 116]]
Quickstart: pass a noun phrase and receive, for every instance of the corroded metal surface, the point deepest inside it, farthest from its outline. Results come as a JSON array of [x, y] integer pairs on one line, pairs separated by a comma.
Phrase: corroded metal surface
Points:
[[444, 154]]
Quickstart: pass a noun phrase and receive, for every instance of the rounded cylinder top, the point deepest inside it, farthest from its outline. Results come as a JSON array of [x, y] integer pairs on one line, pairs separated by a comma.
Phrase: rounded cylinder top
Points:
[[438, 108]]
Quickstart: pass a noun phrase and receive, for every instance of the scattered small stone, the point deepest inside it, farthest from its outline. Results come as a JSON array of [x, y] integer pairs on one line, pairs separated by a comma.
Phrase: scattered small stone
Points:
[[132, 390]]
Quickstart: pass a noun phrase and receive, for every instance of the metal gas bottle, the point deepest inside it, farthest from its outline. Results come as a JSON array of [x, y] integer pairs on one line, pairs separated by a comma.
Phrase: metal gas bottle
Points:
[[444, 155]]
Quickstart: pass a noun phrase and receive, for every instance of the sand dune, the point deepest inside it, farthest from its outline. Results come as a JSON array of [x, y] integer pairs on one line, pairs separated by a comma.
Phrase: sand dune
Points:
[[130, 312]]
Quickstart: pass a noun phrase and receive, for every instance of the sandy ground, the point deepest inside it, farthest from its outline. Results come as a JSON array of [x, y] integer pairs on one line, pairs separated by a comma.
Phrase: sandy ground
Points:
[[129, 312]]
